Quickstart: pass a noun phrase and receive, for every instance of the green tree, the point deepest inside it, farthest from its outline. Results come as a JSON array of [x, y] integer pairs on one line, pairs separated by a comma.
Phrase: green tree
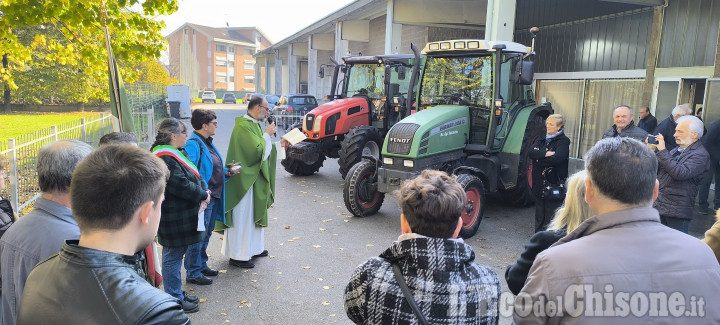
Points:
[[57, 47]]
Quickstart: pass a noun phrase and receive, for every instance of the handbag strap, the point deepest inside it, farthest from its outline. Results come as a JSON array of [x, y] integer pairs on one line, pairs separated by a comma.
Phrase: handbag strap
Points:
[[408, 295]]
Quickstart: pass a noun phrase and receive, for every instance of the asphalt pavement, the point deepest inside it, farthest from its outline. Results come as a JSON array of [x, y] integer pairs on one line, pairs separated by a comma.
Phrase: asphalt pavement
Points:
[[315, 245]]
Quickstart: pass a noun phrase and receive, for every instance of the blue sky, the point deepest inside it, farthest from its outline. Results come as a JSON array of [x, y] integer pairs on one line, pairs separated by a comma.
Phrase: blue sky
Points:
[[278, 19]]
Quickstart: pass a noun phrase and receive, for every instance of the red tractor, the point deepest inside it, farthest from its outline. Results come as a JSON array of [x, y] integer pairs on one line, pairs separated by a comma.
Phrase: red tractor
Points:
[[371, 99]]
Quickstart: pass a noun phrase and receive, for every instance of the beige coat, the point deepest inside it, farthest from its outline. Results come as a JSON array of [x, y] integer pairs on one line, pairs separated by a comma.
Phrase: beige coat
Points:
[[617, 256], [712, 238]]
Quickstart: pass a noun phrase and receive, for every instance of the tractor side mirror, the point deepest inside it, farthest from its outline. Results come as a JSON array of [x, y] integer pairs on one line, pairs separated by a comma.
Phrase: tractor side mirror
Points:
[[343, 69], [401, 72], [524, 72], [321, 72]]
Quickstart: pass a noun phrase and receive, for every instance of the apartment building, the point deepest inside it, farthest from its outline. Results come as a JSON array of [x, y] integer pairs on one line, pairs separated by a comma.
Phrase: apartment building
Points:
[[210, 58]]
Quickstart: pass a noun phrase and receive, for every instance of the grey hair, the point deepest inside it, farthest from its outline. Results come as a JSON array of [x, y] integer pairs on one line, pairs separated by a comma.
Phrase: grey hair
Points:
[[56, 163], [166, 129], [625, 106], [681, 110], [623, 169], [695, 124]]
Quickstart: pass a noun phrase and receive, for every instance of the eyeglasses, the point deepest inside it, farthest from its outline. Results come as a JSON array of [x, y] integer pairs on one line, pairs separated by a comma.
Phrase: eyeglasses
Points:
[[213, 123], [265, 107]]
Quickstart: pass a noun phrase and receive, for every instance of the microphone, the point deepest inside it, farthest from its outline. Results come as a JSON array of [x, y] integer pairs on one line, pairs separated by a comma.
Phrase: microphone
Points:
[[271, 119]]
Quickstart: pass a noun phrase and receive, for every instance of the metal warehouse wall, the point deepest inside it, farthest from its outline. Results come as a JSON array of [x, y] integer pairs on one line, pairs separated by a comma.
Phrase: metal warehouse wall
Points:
[[613, 42], [690, 33]]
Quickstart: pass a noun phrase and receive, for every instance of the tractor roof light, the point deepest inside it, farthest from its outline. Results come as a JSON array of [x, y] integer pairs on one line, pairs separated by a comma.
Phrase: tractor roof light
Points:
[[445, 45], [434, 46], [473, 45], [459, 45]]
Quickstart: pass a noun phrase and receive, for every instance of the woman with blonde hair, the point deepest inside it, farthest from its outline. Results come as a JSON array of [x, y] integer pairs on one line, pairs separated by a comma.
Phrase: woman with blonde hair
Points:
[[567, 218]]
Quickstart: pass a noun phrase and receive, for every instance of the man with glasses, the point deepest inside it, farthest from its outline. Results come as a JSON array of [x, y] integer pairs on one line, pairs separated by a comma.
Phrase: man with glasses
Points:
[[206, 157], [250, 195]]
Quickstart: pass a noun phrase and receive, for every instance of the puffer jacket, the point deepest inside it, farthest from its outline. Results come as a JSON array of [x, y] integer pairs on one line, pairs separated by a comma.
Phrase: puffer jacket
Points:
[[680, 180], [79, 285], [631, 131]]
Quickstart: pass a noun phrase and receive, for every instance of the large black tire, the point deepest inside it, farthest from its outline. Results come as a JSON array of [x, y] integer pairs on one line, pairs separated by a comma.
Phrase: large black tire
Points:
[[360, 191], [521, 195], [474, 205], [362, 140], [301, 168]]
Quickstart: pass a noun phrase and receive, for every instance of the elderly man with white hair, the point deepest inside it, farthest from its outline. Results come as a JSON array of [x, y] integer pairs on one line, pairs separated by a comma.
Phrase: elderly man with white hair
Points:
[[667, 126], [680, 172]]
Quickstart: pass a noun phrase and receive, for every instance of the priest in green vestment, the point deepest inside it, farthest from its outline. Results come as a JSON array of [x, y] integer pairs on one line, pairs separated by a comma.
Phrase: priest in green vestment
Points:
[[249, 195]]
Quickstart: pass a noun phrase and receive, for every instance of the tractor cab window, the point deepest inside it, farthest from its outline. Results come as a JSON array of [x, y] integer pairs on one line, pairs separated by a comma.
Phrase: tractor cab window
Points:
[[396, 96], [466, 81], [367, 80]]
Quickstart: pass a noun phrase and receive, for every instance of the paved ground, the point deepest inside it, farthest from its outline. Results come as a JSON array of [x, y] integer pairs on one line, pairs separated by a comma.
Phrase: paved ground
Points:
[[315, 245]]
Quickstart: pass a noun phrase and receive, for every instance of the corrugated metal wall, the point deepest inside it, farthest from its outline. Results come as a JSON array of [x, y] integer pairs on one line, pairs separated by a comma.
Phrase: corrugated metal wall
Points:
[[690, 32], [612, 42], [550, 12]]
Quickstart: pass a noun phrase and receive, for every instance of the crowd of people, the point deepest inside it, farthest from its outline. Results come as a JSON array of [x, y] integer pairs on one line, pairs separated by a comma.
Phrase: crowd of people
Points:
[[603, 236]]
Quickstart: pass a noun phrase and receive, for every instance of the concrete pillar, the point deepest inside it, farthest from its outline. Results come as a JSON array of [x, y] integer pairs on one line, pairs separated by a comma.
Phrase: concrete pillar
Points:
[[292, 70], [393, 32], [268, 86], [500, 20], [312, 68], [341, 46], [278, 73]]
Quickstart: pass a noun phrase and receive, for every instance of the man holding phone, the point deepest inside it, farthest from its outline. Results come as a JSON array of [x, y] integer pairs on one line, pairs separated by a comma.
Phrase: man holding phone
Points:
[[680, 171]]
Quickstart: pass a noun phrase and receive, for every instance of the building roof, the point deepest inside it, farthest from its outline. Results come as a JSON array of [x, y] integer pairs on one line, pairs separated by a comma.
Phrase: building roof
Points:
[[222, 33]]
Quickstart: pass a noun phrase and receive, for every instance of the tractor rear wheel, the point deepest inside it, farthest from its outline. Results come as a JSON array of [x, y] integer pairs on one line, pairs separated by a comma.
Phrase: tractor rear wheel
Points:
[[360, 192], [362, 140], [474, 204], [303, 168], [521, 194]]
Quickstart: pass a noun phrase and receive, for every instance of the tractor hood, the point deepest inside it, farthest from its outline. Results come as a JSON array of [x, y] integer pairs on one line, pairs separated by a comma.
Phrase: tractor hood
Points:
[[337, 105], [443, 128]]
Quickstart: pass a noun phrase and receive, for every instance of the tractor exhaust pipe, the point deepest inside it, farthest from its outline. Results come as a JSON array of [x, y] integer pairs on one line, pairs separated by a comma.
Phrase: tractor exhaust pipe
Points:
[[413, 79]]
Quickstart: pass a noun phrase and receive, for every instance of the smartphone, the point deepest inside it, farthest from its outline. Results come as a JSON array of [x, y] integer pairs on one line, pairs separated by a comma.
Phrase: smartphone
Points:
[[652, 140]]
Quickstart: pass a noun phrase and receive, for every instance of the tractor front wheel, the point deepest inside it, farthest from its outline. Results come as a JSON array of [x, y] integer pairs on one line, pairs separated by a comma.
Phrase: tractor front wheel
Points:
[[362, 140], [472, 214], [360, 192], [303, 168]]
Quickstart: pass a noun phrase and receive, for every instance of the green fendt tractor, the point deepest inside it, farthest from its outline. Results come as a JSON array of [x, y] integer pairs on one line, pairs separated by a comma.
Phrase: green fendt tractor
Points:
[[483, 121]]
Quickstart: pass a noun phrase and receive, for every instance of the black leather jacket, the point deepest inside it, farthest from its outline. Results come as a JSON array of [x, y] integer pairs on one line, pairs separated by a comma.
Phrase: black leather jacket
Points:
[[79, 285]]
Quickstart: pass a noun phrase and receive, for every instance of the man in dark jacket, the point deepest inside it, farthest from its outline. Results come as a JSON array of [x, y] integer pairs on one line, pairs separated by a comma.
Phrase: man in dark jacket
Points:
[[116, 194], [711, 142], [680, 171], [624, 125], [647, 121], [667, 126]]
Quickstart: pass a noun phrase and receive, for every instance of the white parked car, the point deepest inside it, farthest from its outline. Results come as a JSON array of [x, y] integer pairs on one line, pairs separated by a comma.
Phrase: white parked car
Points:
[[208, 96]]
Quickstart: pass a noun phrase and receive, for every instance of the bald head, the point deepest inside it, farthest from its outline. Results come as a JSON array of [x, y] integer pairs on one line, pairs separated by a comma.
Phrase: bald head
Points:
[[622, 116]]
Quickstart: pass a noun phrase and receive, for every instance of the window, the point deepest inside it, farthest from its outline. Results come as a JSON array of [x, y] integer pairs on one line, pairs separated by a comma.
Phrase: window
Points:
[[220, 48], [249, 65], [231, 64], [220, 61], [249, 51], [249, 78], [232, 78], [220, 77], [231, 49]]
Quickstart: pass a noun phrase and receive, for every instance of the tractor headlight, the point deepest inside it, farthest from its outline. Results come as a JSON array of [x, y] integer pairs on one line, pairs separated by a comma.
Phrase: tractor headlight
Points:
[[409, 163], [387, 161], [317, 125]]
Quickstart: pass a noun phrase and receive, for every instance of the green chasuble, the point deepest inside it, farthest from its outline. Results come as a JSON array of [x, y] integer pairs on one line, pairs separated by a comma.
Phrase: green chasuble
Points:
[[247, 146]]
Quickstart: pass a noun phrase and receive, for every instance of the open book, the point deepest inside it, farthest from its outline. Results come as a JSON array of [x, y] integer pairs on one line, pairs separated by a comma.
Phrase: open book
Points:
[[294, 136]]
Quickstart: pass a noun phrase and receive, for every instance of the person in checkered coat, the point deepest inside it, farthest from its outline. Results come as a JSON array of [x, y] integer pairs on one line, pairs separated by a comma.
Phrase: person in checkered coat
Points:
[[439, 268]]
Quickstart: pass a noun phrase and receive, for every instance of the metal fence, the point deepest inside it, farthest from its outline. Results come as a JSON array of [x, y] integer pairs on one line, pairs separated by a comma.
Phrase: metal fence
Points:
[[147, 103]]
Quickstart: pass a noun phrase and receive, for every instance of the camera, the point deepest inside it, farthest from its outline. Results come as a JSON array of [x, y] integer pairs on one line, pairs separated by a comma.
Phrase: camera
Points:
[[652, 140]]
